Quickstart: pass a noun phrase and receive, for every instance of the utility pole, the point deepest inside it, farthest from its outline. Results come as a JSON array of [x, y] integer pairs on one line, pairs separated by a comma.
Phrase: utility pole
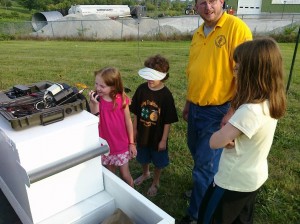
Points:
[[284, 2], [293, 61]]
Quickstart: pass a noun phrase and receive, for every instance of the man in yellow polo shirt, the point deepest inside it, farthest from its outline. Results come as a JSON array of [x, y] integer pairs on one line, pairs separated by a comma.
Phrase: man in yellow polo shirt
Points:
[[211, 86]]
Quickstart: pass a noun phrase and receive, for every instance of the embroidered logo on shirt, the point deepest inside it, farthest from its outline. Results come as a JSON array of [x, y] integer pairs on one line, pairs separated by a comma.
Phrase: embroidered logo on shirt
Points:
[[145, 113], [154, 115], [220, 41]]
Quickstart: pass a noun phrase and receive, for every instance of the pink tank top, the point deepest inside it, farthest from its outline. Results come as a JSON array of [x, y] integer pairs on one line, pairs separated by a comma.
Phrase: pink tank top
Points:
[[112, 126]]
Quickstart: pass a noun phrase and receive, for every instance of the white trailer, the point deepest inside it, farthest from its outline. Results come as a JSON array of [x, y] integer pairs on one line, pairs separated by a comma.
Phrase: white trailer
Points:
[[104, 10]]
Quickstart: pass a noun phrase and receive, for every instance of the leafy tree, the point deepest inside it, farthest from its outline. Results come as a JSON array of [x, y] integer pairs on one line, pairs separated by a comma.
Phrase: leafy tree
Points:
[[178, 5], [64, 5], [150, 7], [43, 4], [29, 4], [6, 3]]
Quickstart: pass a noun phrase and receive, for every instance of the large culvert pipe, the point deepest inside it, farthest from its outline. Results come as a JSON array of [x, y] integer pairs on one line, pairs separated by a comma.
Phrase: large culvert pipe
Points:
[[41, 19]]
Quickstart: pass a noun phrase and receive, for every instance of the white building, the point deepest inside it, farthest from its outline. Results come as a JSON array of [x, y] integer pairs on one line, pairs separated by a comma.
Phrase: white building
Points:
[[249, 7], [254, 6]]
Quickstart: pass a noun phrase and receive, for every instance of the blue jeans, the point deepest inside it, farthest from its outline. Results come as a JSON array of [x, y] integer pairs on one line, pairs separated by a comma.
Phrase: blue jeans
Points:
[[203, 121]]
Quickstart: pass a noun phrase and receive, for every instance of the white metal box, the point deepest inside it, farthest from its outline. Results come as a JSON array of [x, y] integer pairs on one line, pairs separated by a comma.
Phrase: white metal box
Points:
[[53, 174]]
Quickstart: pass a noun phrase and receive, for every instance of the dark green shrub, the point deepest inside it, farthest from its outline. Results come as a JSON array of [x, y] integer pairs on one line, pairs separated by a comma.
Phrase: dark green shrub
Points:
[[6, 37]]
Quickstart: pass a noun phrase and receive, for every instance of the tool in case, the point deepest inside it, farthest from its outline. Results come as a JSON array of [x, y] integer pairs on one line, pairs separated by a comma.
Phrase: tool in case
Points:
[[41, 103]]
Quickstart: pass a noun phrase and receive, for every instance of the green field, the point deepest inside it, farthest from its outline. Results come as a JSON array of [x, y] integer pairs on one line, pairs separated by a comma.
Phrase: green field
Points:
[[26, 62]]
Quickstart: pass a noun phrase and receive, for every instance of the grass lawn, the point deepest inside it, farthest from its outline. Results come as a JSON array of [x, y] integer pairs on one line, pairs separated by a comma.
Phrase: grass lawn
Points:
[[26, 62]]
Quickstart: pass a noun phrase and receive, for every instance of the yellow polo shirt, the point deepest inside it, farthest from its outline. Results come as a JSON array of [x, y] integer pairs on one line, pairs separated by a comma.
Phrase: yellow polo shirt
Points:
[[210, 68]]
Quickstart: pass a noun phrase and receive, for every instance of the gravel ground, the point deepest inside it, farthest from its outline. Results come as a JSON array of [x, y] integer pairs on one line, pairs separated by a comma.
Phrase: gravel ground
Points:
[[99, 27]]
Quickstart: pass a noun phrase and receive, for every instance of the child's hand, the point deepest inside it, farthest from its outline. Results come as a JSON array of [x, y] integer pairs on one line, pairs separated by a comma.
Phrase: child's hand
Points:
[[93, 97], [162, 145], [230, 145], [132, 150]]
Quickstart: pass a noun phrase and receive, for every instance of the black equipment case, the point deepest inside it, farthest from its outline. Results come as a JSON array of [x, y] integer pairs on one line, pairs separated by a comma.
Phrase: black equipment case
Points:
[[41, 103]]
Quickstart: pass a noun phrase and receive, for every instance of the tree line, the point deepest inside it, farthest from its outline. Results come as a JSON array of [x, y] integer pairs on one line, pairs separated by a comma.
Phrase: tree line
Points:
[[61, 5]]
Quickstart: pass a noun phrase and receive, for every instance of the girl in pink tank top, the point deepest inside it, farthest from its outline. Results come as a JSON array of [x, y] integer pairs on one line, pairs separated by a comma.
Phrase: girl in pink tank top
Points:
[[111, 103]]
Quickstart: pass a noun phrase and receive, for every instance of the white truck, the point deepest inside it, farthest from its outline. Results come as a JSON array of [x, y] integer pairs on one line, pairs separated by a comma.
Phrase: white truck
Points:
[[104, 10]]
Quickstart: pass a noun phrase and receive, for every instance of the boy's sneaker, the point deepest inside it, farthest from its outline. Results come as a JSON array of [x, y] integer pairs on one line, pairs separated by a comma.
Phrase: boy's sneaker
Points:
[[187, 220]]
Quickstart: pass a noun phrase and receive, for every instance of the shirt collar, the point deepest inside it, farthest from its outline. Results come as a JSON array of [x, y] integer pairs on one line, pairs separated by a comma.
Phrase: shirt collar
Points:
[[220, 23]]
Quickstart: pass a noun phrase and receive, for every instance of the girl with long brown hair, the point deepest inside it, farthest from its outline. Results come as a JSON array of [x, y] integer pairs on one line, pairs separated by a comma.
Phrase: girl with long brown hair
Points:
[[247, 137]]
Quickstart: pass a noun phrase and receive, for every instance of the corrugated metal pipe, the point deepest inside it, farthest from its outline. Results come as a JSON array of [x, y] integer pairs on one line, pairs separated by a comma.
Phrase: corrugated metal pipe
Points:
[[41, 19]]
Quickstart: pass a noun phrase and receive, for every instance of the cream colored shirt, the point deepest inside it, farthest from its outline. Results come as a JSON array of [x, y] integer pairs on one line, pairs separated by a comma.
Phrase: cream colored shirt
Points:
[[245, 168]]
